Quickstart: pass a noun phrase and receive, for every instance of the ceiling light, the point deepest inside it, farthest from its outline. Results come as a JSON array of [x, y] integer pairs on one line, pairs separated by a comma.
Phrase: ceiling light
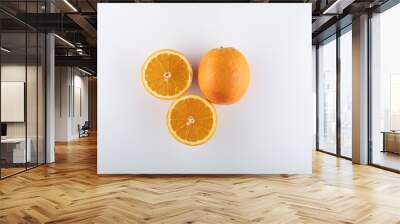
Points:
[[65, 41], [79, 51], [326, 11], [70, 5], [338, 6], [84, 71], [5, 50]]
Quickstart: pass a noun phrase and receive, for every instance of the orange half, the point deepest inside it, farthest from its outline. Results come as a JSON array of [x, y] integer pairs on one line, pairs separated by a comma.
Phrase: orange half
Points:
[[192, 120], [167, 74]]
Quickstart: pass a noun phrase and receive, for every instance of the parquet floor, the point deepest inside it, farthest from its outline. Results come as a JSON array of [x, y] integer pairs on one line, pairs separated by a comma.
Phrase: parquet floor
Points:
[[10, 171], [69, 191]]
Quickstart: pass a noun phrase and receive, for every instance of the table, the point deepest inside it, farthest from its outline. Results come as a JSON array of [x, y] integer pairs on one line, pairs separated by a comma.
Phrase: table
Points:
[[15, 148], [391, 141]]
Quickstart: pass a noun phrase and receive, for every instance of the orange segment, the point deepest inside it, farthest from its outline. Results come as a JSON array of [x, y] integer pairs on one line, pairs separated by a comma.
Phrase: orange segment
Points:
[[192, 120], [167, 74]]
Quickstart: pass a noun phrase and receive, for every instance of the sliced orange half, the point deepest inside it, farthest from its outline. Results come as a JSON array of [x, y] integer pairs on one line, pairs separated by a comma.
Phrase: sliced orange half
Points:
[[167, 74], [192, 120]]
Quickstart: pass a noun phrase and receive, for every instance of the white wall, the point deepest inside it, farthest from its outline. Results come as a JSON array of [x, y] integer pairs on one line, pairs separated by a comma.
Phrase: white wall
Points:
[[68, 81], [79, 117], [314, 86], [62, 80], [269, 131]]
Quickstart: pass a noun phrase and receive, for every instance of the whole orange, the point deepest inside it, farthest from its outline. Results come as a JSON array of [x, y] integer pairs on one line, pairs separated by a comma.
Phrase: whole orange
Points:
[[223, 75]]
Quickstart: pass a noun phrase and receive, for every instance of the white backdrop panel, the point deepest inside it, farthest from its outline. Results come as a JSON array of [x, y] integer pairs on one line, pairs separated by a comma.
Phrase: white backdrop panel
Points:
[[12, 101], [269, 131]]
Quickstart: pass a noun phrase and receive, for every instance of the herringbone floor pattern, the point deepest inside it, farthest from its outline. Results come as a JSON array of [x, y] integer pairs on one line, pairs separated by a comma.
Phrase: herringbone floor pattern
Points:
[[70, 191]]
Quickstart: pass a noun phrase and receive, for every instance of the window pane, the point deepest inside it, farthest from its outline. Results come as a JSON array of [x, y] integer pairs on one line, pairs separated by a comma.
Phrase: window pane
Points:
[[386, 88], [346, 93], [327, 96]]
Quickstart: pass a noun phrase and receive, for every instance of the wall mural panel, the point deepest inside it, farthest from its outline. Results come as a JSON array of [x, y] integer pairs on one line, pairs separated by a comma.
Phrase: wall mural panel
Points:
[[264, 126]]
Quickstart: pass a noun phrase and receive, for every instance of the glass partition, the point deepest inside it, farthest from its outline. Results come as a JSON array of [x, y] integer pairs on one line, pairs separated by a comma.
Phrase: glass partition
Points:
[[22, 101], [14, 155]]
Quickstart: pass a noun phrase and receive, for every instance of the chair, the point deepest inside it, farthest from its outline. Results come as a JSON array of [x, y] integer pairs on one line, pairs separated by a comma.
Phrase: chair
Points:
[[84, 130]]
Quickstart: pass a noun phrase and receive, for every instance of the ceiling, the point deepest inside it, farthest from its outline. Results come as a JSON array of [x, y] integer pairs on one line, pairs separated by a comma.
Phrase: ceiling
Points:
[[75, 22]]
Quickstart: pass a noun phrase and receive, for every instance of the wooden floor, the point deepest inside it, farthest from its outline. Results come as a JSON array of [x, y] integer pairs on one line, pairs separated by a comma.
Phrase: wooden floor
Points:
[[5, 172], [70, 191], [386, 159]]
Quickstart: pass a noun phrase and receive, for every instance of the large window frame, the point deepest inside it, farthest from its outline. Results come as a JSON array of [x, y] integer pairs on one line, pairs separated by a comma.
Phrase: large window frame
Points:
[[382, 8], [334, 37]]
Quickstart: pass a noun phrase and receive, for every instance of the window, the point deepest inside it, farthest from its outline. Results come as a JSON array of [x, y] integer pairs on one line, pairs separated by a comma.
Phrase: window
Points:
[[346, 94], [327, 96], [335, 74], [385, 89]]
